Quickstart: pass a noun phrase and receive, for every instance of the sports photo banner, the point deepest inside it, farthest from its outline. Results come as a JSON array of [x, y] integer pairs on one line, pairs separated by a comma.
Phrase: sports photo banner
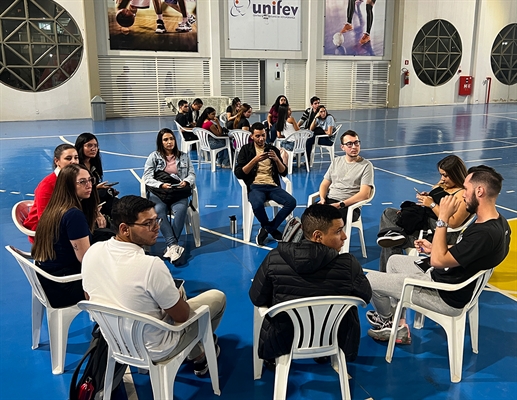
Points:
[[355, 27], [155, 25], [265, 24]]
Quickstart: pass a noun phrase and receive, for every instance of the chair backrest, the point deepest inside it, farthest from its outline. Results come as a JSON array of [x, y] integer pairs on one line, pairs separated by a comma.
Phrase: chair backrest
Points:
[[464, 225], [203, 136], [300, 139], [180, 129], [29, 269], [481, 282], [316, 321], [240, 137], [19, 213], [223, 118]]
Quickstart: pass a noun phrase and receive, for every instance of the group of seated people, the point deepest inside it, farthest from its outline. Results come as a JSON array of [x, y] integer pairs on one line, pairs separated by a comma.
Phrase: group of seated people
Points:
[[117, 271]]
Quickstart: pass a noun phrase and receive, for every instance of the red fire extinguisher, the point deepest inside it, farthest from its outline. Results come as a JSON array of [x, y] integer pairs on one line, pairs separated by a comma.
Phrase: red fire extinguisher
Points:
[[405, 73]]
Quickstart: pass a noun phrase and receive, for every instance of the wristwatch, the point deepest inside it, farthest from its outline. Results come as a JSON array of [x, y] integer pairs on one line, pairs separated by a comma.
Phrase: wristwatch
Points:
[[441, 224], [432, 205], [342, 204]]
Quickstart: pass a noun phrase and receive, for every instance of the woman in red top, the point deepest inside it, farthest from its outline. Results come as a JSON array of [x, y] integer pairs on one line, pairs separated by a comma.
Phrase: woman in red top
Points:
[[208, 120], [272, 117], [64, 154]]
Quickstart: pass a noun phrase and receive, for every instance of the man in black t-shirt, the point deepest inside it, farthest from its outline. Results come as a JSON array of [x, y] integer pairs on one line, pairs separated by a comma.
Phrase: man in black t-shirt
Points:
[[184, 118], [481, 246]]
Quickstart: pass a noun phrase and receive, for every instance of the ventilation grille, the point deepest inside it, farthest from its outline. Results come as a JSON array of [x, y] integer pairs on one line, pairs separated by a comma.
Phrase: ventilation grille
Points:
[[295, 84], [241, 78], [137, 86], [352, 84]]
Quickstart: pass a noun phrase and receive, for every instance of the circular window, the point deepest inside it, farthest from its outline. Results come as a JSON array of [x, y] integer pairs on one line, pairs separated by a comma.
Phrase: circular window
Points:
[[436, 52], [504, 55], [41, 45]]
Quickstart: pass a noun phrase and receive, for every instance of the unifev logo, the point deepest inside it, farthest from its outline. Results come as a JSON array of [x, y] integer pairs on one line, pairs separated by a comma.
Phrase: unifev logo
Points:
[[273, 10]]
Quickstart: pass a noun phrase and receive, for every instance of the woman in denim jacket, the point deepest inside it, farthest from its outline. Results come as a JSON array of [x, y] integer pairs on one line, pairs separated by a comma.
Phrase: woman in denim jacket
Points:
[[168, 158]]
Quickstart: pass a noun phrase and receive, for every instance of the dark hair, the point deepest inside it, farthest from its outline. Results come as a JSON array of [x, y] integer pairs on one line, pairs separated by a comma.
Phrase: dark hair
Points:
[[181, 103], [126, 210], [314, 98], [277, 102], [159, 143], [96, 162], [319, 108], [257, 126], [348, 133], [455, 169], [204, 115], [58, 151], [245, 107], [283, 111], [319, 217], [489, 177], [198, 101], [234, 105]]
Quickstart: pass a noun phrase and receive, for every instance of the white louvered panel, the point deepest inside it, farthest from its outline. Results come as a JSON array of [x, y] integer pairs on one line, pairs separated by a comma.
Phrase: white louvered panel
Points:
[[241, 78], [137, 86], [295, 84], [371, 88], [337, 91]]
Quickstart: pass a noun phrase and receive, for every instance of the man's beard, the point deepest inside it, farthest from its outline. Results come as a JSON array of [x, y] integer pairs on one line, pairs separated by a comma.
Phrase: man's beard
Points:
[[472, 205]]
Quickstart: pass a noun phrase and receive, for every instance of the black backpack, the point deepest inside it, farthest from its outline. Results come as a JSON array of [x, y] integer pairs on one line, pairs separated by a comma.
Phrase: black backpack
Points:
[[91, 382]]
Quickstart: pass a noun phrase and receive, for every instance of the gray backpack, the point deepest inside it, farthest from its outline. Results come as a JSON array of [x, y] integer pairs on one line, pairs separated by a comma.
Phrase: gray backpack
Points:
[[293, 231]]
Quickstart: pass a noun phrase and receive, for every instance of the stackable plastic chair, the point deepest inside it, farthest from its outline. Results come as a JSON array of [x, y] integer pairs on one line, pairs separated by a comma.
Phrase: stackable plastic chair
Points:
[[454, 326], [349, 223], [58, 319], [19, 213], [192, 222], [329, 148], [240, 138], [124, 333], [186, 144], [316, 323], [204, 145], [247, 211], [300, 140]]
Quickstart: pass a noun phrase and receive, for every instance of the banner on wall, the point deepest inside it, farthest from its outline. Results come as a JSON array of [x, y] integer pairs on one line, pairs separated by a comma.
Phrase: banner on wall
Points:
[[355, 27], [136, 25], [264, 24]]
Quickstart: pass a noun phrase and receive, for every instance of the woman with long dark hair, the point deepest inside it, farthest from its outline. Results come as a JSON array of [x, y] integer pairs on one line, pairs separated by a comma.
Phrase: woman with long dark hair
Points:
[[323, 124], [272, 117], [64, 154], [285, 126], [64, 233], [208, 120], [233, 109], [241, 119], [176, 165]]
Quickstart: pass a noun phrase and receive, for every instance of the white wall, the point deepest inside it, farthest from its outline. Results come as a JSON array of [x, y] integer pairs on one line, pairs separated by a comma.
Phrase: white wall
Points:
[[70, 100]]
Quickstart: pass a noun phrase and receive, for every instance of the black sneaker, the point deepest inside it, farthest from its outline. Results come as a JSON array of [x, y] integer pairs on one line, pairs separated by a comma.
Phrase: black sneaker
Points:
[[277, 235], [160, 26], [261, 237], [201, 367]]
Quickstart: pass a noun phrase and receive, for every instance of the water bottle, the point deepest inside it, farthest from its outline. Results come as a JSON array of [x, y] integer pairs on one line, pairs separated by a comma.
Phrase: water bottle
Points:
[[233, 224]]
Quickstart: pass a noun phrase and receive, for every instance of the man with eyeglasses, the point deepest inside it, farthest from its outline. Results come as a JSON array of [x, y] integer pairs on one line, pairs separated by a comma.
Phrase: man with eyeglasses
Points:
[[349, 178], [309, 114], [118, 273]]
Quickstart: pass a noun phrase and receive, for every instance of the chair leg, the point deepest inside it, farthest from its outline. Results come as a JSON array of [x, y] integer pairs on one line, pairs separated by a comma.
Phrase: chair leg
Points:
[[257, 362], [211, 357], [37, 319], [159, 375], [418, 321], [455, 341], [343, 376], [474, 326], [58, 325], [361, 238], [290, 162], [393, 335], [283, 363], [108, 377], [307, 162], [212, 159]]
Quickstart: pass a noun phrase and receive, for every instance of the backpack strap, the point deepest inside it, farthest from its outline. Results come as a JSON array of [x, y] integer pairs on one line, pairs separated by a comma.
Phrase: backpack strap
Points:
[[93, 344]]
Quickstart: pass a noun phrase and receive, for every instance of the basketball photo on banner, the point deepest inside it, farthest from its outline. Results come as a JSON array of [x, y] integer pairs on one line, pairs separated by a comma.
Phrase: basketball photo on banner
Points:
[[355, 27], [157, 25]]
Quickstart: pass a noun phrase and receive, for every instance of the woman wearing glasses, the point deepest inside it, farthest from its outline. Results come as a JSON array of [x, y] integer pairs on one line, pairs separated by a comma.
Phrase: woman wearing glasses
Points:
[[64, 233], [87, 147], [168, 163]]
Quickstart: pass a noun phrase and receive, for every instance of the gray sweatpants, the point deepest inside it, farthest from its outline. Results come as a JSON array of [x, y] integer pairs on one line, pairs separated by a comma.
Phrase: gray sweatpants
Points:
[[387, 288]]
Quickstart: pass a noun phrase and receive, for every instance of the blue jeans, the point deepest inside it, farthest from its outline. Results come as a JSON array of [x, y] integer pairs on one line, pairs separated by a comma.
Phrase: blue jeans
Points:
[[327, 141], [222, 157], [171, 233], [259, 194]]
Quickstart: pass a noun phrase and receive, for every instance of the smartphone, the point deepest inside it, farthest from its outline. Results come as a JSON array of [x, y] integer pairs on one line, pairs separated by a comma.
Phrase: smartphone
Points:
[[423, 264], [111, 184], [179, 282], [416, 190], [101, 204]]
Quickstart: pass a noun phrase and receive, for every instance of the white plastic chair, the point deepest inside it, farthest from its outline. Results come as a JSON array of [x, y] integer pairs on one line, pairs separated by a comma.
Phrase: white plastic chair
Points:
[[330, 148], [186, 144], [124, 333], [247, 211], [316, 323], [240, 137], [204, 145], [300, 140], [454, 326], [19, 213], [349, 223], [192, 222], [223, 119], [58, 319]]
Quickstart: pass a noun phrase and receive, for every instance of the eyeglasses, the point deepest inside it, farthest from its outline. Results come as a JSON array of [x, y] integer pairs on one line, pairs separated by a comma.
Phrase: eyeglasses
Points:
[[84, 182], [357, 143], [152, 224], [92, 146]]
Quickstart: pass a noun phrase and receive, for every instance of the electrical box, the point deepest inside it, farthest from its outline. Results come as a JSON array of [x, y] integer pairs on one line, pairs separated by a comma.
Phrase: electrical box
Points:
[[465, 87]]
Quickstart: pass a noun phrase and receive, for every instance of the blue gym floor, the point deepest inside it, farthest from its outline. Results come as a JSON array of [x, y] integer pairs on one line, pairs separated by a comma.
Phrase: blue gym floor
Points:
[[404, 146]]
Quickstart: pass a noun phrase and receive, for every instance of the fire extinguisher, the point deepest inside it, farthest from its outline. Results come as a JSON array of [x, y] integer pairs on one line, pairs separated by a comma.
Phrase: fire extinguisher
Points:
[[405, 73]]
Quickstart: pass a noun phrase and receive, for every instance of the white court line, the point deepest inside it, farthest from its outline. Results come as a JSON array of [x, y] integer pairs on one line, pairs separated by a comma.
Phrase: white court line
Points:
[[235, 239], [58, 136], [483, 159], [106, 152], [122, 169]]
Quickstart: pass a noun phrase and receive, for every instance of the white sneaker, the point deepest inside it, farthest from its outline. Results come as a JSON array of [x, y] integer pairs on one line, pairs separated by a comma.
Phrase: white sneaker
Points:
[[183, 27], [191, 19], [173, 252]]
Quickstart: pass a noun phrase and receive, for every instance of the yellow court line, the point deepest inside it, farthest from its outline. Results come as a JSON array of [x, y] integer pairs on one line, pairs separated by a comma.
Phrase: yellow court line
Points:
[[505, 275]]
